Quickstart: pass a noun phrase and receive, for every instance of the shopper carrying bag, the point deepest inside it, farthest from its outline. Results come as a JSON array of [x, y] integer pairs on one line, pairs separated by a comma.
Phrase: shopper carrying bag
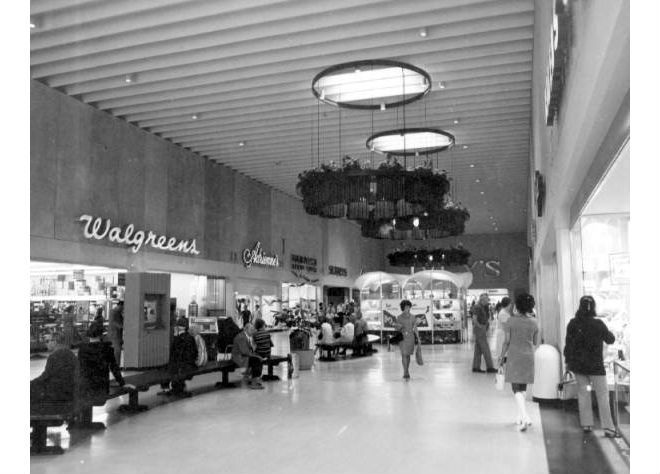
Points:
[[499, 378], [585, 335], [418, 351]]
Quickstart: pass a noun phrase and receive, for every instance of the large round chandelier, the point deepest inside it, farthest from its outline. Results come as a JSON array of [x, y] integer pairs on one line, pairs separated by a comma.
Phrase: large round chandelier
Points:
[[435, 224], [393, 200], [440, 257], [387, 192]]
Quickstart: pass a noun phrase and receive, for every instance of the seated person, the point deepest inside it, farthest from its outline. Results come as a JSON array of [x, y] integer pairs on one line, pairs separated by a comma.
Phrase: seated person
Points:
[[326, 335], [361, 339], [183, 357], [262, 341], [243, 355], [202, 354], [58, 383], [97, 360], [347, 333]]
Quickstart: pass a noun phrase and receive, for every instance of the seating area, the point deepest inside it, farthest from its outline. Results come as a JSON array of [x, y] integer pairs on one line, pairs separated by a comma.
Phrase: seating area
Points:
[[328, 352], [79, 416]]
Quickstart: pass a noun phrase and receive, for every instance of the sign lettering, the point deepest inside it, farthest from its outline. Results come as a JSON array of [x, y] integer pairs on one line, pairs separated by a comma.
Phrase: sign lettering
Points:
[[99, 229], [256, 256], [339, 271], [302, 263]]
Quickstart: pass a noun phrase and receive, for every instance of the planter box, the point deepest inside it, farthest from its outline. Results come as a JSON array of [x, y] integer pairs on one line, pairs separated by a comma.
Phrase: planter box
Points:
[[305, 359]]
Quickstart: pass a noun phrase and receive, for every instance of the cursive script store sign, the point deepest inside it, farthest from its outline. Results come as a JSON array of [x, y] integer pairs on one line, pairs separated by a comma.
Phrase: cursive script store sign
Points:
[[256, 256], [98, 228]]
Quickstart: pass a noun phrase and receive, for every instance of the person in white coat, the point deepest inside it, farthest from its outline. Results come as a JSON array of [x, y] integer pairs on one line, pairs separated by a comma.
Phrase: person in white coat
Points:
[[503, 315]]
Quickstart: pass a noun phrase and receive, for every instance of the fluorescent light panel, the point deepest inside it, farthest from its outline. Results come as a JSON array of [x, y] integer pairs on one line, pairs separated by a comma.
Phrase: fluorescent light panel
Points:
[[410, 142], [372, 84]]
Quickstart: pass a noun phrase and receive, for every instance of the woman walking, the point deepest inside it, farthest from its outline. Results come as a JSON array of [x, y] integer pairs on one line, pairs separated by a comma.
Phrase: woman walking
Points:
[[520, 337], [501, 318], [584, 357], [406, 323]]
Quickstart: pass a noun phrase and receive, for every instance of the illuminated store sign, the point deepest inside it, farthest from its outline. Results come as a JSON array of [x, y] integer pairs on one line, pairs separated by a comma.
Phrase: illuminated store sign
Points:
[[339, 271], [256, 256], [302, 263], [555, 79], [489, 268], [99, 229]]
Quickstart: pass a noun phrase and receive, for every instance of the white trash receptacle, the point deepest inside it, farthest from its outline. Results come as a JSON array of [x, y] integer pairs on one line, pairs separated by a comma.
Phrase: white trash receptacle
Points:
[[547, 373]]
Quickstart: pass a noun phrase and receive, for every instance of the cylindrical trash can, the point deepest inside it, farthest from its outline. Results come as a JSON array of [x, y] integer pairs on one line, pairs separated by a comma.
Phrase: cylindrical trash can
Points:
[[547, 373]]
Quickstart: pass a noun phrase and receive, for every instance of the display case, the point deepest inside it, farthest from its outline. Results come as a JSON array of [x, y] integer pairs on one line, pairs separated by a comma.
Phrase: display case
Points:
[[438, 299]]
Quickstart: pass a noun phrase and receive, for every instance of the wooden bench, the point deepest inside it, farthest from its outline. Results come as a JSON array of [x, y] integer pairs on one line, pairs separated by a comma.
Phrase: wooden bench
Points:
[[56, 415], [330, 351], [271, 362], [48, 414]]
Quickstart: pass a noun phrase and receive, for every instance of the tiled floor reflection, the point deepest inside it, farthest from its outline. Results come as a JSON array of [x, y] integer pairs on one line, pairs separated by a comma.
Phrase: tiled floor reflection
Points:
[[349, 416]]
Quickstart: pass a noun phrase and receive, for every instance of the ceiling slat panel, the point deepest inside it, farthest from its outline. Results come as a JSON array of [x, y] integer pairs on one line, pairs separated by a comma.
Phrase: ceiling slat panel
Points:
[[244, 70]]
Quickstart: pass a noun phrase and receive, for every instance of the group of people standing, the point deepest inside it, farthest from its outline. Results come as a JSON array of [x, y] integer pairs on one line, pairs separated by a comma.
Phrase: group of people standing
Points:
[[517, 336]]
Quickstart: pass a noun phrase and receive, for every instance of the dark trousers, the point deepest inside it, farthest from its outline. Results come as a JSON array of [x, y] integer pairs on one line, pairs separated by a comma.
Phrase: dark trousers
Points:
[[481, 348], [255, 366]]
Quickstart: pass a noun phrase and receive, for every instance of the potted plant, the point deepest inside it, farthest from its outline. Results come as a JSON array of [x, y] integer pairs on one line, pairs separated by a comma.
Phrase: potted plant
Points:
[[299, 345]]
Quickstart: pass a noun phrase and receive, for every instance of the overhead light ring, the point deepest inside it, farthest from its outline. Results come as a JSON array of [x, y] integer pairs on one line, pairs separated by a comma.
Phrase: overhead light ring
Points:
[[413, 84], [420, 141]]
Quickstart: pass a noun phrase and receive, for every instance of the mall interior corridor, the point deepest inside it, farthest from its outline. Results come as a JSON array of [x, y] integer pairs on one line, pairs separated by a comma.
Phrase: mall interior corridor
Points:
[[351, 416]]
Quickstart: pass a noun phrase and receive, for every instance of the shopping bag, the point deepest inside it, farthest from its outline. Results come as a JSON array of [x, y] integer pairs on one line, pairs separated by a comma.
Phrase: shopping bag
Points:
[[418, 355], [568, 388], [499, 379]]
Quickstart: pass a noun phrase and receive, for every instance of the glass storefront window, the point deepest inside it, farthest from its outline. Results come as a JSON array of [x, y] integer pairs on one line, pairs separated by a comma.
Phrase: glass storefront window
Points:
[[605, 262]]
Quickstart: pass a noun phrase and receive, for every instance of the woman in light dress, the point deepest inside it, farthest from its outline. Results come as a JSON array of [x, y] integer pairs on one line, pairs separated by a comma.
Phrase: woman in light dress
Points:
[[502, 317]]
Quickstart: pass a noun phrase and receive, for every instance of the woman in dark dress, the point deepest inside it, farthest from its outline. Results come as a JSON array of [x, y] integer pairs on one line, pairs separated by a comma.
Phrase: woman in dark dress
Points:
[[406, 324], [583, 351]]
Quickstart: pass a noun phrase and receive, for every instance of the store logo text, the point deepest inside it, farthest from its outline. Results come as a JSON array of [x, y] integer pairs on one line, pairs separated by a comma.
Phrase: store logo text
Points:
[[99, 229]]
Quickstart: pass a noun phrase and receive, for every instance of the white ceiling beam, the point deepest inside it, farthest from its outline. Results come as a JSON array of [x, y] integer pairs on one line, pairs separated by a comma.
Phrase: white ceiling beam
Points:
[[394, 45], [260, 37]]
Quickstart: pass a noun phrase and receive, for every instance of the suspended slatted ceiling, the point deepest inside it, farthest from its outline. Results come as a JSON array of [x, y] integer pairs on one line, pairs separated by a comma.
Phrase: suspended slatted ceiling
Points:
[[244, 70]]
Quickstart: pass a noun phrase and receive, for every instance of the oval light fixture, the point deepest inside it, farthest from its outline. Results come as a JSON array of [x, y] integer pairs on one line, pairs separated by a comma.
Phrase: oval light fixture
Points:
[[410, 141], [377, 84]]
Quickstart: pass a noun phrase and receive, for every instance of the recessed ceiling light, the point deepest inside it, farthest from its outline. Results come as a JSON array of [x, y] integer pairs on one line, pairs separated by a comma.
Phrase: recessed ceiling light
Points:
[[423, 33], [477, 180], [481, 192], [471, 166], [456, 121], [194, 116], [128, 78], [442, 84], [465, 147], [33, 24], [241, 143]]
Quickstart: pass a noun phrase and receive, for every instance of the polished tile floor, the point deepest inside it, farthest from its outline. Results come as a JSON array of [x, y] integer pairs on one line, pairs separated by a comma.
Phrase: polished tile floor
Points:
[[349, 416]]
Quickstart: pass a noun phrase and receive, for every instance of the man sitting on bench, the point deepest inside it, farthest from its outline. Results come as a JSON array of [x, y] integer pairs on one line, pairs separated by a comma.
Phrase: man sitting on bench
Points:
[[346, 335], [183, 357], [58, 384], [97, 360], [243, 355]]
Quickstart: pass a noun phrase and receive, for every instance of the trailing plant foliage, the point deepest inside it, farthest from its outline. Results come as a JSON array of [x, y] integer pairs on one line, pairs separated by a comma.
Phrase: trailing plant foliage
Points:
[[429, 258], [355, 192]]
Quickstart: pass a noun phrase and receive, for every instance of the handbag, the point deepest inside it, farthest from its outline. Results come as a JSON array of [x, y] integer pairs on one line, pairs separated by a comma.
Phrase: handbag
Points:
[[499, 379], [396, 338], [568, 388], [418, 354]]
